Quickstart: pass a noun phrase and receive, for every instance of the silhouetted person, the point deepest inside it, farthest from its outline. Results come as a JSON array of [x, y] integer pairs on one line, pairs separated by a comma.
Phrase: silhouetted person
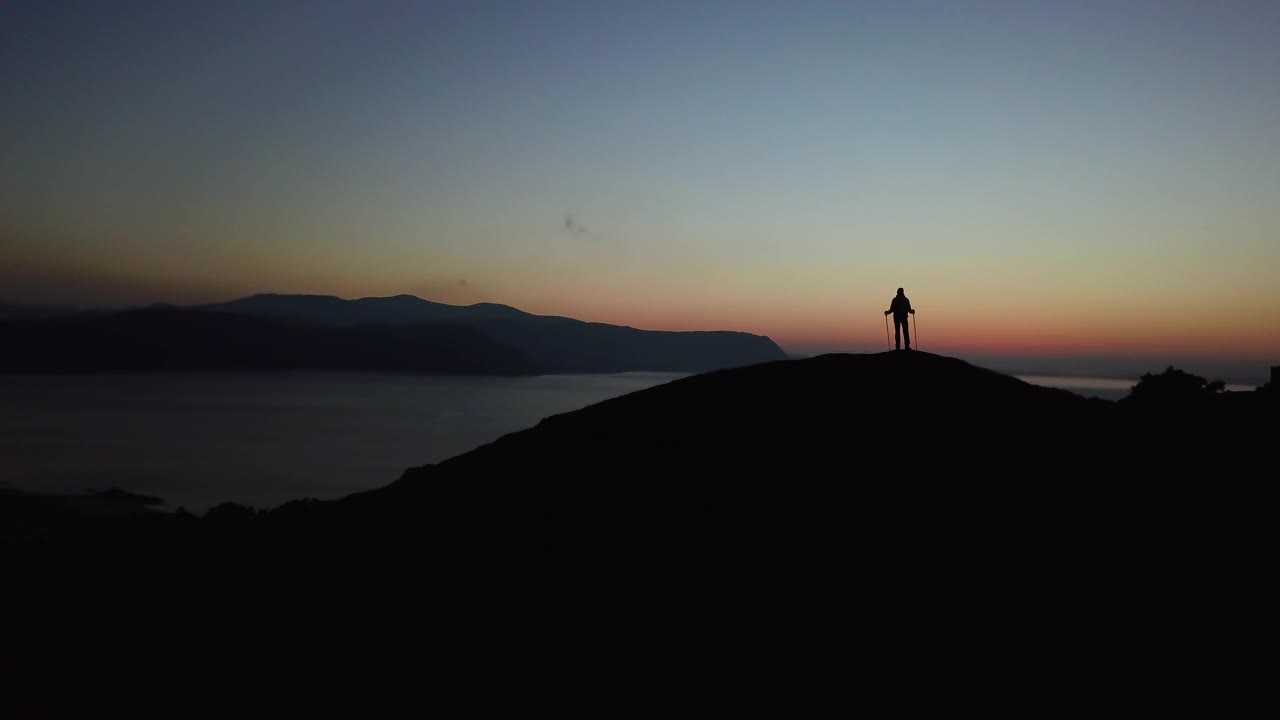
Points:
[[901, 308]]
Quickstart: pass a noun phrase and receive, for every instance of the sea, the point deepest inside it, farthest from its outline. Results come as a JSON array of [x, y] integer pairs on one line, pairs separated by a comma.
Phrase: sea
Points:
[[262, 439]]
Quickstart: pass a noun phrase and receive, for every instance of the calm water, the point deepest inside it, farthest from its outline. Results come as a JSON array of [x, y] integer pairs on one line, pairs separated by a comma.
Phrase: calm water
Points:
[[264, 439]]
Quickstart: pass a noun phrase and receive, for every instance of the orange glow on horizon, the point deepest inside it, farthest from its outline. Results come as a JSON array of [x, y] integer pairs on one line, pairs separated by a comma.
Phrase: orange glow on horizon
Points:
[[819, 318], [1081, 331]]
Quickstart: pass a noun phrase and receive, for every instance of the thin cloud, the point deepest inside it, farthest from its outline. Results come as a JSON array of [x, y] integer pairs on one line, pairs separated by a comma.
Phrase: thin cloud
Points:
[[573, 227]]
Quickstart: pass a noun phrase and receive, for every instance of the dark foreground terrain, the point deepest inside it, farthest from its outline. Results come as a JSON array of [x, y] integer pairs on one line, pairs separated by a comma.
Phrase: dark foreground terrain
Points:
[[869, 533]]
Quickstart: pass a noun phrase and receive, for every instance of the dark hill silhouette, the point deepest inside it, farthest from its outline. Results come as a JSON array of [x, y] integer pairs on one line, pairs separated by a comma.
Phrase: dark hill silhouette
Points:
[[866, 530], [10, 311], [557, 343], [171, 339], [331, 310]]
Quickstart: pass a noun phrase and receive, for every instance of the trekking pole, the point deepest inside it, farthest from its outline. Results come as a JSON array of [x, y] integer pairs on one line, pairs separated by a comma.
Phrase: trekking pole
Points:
[[886, 332], [915, 330]]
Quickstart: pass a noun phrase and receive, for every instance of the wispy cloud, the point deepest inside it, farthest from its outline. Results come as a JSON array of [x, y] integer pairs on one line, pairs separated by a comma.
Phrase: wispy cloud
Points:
[[573, 227]]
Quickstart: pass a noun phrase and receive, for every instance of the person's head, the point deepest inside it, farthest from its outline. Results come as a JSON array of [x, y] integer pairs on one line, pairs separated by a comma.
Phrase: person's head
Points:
[[899, 291]]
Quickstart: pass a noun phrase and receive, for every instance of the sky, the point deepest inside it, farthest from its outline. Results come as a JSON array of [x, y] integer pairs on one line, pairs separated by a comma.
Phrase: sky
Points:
[[1065, 179]]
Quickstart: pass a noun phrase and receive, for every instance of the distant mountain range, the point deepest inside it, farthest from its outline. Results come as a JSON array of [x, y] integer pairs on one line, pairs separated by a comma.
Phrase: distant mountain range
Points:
[[401, 333], [9, 311], [173, 339]]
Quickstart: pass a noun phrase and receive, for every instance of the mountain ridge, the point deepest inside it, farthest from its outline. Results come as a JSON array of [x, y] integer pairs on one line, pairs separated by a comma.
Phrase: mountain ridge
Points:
[[560, 344], [170, 339], [490, 338]]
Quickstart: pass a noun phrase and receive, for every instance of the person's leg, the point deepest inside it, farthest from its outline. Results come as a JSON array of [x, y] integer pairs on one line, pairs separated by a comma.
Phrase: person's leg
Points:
[[906, 331], [897, 334]]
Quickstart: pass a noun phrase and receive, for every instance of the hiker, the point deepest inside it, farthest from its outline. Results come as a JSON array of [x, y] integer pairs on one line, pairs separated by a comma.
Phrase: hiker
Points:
[[900, 307]]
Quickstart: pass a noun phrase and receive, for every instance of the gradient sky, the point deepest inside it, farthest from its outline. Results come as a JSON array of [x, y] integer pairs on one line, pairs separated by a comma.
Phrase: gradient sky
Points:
[[1059, 178]]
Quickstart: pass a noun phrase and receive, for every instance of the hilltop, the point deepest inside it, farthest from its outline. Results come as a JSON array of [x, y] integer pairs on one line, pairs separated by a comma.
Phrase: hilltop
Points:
[[856, 526]]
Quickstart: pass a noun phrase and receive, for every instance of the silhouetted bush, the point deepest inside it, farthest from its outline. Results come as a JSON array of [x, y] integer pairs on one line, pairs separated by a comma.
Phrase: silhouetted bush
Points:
[[1173, 386]]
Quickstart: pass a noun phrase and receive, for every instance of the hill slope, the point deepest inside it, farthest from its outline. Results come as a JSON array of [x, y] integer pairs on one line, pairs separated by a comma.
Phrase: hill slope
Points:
[[855, 529], [557, 343]]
